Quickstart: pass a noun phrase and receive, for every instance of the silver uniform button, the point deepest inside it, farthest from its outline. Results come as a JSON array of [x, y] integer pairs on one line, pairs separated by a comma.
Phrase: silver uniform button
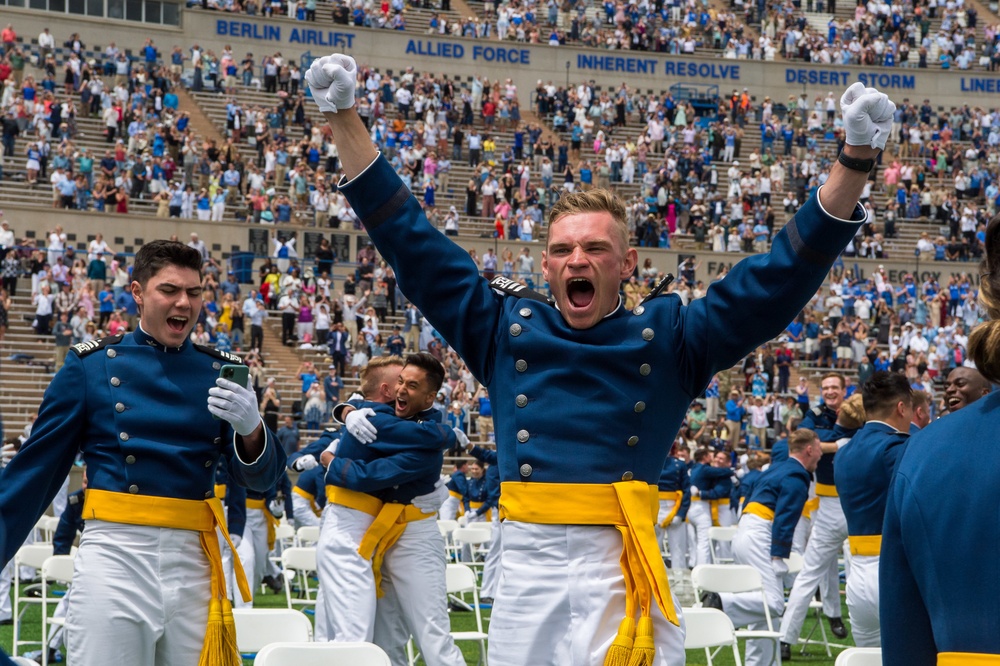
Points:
[[525, 469], [633, 440], [639, 406], [521, 365], [638, 310], [524, 312], [123, 436], [217, 441], [133, 489], [216, 365], [627, 476], [645, 369], [522, 436], [115, 381], [521, 400], [647, 334], [129, 460], [515, 330], [208, 463], [112, 353], [120, 407]]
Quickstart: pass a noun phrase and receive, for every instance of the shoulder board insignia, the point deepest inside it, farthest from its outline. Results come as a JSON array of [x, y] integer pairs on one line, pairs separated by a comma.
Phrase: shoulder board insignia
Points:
[[223, 355], [84, 348], [331, 429], [503, 285], [817, 410]]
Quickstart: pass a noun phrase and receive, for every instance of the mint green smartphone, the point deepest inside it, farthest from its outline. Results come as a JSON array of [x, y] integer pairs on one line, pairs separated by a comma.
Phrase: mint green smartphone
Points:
[[234, 373]]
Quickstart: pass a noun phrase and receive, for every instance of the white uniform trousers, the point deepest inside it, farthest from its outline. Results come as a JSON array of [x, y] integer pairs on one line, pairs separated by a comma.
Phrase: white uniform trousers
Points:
[[449, 510], [302, 512], [61, 499], [346, 581], [726, 519], [140, 596], [253, 552], [752, 546], [6, 577], [491, 568], [415, 600], [801, 537], [862, 601], [562, 596], [57, 638], [825, 543], [676, 534], [700, 516]]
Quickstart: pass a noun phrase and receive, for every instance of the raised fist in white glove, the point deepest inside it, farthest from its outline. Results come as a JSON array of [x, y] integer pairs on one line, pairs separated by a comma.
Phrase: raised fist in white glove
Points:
[[332, 79], [779, 566], [305, 463], [236, 404], [867, 116], [358, 425], [432, 501], [461, 439], [695, 491]]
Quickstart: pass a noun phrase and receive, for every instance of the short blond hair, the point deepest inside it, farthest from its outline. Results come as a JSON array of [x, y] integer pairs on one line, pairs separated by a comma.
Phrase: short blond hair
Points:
[[852, 413], [800, 439], [374, 374], [593, 201]]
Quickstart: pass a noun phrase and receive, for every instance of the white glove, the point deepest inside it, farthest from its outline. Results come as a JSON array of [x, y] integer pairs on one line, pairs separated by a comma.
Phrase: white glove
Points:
[[355, 396], [276, 508], [695, 492], [306, 463], [235, 404], [332, 79], [677, 520], [461, 438], [779, 566], [7, 453], [332, 449], [867, 116], [236, 539], [463, 520], [432, 501], [358, 425]]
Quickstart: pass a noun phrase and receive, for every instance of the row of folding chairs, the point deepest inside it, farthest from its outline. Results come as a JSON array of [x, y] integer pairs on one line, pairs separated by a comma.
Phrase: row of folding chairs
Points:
[[708, 628], [54, 569], [283, 637]]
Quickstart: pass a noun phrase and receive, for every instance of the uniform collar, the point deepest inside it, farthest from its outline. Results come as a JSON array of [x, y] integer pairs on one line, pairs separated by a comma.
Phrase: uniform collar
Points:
[[145, 339]]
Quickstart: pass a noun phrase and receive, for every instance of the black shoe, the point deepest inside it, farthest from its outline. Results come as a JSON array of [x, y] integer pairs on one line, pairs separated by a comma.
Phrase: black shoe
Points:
[[8, 621], [272, 584], [711, 600], [786, 652], [837, 627], [486, 601], [458, 608]]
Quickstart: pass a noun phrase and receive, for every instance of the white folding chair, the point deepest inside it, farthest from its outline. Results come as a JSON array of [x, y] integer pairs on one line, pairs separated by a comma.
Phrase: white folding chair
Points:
[[284, 537], [307, 535], [55, 569], [447, 528], [860, 657], [31, 555], [322, 654], [298, 563], [709, 628], [474, 537], [46, 528], [460, 579], [258, 627], [720, 535], [737, 578]]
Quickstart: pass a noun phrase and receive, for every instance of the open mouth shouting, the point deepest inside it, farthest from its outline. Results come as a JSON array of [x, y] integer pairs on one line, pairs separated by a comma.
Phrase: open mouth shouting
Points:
[[177, 324], [580, 292]]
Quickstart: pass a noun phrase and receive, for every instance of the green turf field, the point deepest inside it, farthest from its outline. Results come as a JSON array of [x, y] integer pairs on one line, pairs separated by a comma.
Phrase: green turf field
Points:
[[460, 621]]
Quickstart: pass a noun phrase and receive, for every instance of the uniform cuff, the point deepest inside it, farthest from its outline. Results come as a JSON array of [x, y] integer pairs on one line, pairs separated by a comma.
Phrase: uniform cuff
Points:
[[263, 450], [858, 209]]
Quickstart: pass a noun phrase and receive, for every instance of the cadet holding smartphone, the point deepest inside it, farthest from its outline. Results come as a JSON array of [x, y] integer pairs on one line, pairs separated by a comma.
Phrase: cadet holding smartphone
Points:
[[148, 584]]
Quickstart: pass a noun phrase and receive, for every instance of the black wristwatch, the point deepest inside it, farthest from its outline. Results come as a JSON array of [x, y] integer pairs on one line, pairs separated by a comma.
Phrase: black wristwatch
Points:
[[856, 164]]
